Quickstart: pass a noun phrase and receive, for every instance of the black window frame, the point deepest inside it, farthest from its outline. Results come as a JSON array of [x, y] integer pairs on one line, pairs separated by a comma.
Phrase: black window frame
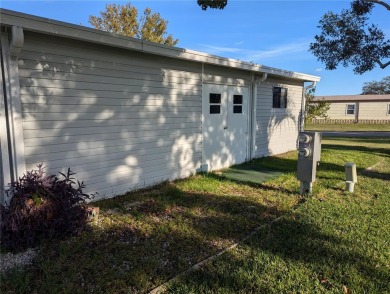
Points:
[[279, 97]]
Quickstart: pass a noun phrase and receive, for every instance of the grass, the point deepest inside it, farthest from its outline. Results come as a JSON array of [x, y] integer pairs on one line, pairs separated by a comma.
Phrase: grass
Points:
[[349, 127], [328, 242]]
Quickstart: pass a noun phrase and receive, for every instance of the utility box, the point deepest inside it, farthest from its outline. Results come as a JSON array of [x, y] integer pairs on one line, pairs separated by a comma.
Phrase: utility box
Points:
[[309, 154]]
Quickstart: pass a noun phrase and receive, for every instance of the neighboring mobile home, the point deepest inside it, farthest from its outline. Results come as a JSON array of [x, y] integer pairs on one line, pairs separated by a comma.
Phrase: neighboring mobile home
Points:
[[357, 108], [125, 113]]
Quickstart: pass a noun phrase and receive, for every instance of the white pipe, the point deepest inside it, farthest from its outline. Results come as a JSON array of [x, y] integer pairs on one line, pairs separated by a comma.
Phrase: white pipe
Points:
[[303, 104], [263, 78]]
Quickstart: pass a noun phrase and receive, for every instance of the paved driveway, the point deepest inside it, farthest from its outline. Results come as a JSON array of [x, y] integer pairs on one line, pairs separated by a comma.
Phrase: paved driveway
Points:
[[356, 134]]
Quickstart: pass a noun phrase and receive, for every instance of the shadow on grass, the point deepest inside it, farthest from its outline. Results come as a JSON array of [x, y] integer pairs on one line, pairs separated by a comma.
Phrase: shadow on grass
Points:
[[144, 242], [364, 149], [277, 254], [252, 184]]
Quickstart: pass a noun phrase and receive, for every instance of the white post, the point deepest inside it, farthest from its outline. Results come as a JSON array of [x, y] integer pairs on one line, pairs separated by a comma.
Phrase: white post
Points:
[[350, 176]]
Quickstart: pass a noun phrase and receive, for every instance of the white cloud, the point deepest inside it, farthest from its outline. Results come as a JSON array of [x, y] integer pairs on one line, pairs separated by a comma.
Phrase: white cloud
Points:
[[282, 50], [220, 50], [257, 56]]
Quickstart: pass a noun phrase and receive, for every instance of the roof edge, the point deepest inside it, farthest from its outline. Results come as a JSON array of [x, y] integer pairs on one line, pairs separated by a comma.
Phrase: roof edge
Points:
[[353, 98], [63, 29]]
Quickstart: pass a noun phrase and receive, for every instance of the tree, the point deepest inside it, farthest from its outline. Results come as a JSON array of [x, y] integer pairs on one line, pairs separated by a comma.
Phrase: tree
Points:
[[315, 109], [347, 38], [124, 20], [216, 4], [374, 87]]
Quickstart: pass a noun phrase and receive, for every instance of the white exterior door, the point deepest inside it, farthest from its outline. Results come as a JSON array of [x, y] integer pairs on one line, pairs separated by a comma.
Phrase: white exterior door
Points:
[[225, 125]]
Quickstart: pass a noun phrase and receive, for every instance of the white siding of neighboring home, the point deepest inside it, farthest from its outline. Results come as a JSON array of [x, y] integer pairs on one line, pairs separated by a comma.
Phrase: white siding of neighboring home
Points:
[[374, 110], [337, 110], [119, 119], [277, 128]]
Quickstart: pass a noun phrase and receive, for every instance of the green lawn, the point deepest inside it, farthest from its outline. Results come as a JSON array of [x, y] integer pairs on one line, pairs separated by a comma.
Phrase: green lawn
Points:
[[328, 242], [348, 127]]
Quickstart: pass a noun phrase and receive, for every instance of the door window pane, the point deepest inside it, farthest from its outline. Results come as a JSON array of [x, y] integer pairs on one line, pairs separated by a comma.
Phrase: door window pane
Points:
[[237, 99], [215, 98], [214, 109], [237, 109]]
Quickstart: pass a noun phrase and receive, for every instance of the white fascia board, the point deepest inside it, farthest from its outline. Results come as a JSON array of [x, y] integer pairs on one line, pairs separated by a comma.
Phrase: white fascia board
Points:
[[67, 30]]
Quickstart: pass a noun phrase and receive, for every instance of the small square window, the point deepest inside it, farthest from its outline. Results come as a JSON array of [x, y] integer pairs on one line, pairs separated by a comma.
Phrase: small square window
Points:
[[350, 109], [237, 109], [279, 97], [237, 99], [214, 109], [215, 98]]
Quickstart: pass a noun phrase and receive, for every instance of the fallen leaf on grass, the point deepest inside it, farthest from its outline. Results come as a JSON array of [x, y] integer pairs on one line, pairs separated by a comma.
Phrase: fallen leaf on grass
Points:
[[346, 290]]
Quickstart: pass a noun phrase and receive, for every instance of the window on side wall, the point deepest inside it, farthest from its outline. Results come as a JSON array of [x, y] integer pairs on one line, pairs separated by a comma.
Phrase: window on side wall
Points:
[[388, 109], [279, 97], [350, 109]]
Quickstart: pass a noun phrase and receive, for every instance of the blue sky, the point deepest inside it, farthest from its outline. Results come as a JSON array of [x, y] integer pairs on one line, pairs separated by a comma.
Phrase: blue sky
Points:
[[273, 33]]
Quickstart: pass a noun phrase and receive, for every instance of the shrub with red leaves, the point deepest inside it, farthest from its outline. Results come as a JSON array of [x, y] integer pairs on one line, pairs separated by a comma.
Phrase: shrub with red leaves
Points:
[[42, 207]]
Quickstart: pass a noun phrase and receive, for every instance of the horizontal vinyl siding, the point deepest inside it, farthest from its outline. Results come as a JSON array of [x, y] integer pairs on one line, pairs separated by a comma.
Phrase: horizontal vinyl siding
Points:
[[119, 119], [374, 110], [338, 111], [277, 129], [225, 76]]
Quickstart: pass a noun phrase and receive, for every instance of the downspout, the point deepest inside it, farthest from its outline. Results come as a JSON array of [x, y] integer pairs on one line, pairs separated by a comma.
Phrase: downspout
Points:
[[303, 106], [253, 128], [10, 50], [17, 41], [357, 112]]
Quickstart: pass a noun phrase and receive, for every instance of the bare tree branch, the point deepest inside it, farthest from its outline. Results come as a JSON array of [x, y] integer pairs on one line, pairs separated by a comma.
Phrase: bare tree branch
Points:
[[386, 5], [382, 65]]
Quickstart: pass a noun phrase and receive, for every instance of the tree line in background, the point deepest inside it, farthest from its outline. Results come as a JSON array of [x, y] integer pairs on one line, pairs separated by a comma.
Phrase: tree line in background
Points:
[[374, 87]]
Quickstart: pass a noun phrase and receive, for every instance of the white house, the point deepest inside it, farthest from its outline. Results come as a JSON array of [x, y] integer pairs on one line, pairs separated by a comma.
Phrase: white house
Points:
[[125, 113], [356, 108]]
